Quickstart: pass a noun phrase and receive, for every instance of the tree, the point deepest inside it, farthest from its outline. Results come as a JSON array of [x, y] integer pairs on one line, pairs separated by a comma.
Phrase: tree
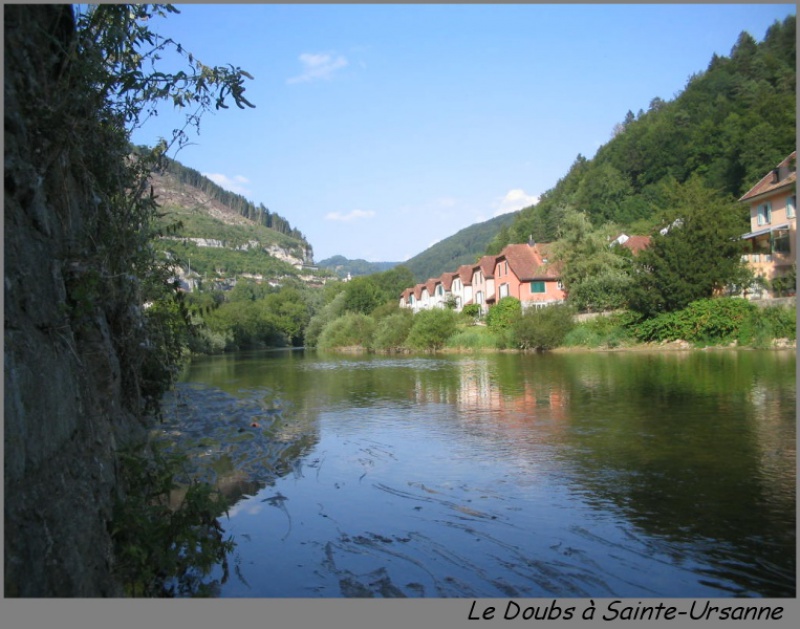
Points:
[[594, 274], [698, 253], [362, 295], [430, 329]]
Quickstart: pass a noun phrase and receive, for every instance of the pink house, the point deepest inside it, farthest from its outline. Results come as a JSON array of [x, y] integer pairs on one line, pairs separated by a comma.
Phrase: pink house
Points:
[[524, 272], [772, 239]]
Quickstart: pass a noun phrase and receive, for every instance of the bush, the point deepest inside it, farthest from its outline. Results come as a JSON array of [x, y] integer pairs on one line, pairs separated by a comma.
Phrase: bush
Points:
[[471, 310], [711, 321], [332, 310], [542, 328], [350, 330], [392, 331], [431, 329], [474, 337], [504, 314], [767, 324]]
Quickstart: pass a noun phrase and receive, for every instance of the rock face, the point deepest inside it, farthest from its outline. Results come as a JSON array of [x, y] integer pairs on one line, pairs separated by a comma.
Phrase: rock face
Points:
[[68, 405]]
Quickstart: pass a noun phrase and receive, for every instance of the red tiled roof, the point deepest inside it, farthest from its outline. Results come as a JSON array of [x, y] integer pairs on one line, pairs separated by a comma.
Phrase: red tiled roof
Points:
[[787, 175], [486, 264], [447, 280], [526, 262], [465, 273], [637, 243]]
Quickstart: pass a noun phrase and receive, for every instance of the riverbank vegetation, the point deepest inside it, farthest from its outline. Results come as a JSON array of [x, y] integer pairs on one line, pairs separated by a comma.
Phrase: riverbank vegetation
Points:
[[117, 284]]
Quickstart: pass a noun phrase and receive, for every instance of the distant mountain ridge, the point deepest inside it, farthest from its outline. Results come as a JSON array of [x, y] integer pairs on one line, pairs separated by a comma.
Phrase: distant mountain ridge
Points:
[[343, 266], [463, 247]]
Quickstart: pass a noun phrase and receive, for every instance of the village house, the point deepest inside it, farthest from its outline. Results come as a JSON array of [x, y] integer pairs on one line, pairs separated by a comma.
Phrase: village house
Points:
[[461, 288], [444, 289], [772, 239], [483, 283], [634, 244], [521, 271], [524, 271]]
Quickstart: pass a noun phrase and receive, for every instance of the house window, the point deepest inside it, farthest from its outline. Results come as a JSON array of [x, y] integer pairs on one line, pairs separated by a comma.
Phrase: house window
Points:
[[791, 206], [764, 213], [479, 297], [503, 290], [438, 290], [537, 287], [780, 242]]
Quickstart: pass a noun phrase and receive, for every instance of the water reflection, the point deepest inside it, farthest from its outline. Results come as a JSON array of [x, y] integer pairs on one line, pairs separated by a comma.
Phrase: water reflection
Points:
[[580, 474]]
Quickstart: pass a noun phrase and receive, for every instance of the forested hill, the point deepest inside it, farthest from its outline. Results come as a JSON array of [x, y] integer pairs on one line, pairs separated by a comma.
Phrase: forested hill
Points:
[[342, 266], [464, 247], [236, 202], [731, 124]]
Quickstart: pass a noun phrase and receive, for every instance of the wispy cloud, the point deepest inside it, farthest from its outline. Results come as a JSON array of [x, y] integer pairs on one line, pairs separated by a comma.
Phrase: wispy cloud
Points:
[[320, 66], [233, 184], [514, 200], [350, 216]]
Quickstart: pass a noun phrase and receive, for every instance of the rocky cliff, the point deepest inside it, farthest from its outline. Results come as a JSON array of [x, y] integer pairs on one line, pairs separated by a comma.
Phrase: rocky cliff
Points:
[[71, 399]]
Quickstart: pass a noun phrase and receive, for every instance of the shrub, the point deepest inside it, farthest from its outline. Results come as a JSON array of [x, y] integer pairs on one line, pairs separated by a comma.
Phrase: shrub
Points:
[[392, 331], [473, 337], [542, 328], [350, 330], [504, 314], [767, 324], [704, 321], [431, 329], [471, 310], [332, 310]]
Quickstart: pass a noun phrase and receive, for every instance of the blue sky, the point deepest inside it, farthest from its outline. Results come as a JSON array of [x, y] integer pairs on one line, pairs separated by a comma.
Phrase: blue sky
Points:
[[381, 129]]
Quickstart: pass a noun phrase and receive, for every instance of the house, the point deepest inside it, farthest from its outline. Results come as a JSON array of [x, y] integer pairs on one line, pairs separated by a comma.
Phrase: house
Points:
[[771, 248], [462, 286], [483, 283], [444, 289], [634, 244], [407, 298], [524, 272]]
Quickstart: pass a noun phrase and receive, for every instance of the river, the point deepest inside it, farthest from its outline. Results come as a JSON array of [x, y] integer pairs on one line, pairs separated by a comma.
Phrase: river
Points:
[[587, 474]]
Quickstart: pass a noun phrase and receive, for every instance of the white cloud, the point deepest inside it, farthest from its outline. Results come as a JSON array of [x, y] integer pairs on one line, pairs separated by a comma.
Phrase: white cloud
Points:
[[514, 200], [233, 184], [318, 67], [350, 216]]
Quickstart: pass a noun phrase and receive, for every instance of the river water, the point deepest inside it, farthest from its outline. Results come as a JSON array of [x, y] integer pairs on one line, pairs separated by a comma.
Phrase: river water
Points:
[[624, 474]]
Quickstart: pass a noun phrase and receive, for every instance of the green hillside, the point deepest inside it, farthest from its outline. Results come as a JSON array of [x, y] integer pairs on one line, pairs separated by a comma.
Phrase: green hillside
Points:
[[731, 124], [341, 266], [214, 235], [464, 247]]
